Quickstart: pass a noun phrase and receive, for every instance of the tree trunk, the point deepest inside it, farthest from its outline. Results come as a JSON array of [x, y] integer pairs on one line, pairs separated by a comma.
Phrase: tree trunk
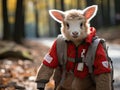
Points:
[[6, 26], [89, 2], [78, 4], [19, 22], [112, 12], [106, 14], [99, 17], [36, 18], [117, 11], [62, 5]]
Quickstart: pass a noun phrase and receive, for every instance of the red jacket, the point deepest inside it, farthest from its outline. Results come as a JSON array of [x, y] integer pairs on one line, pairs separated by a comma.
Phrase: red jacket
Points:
[[100, 62]]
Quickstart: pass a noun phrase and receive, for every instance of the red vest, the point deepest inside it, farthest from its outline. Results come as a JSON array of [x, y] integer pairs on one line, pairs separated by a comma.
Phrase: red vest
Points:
[[100, 62]]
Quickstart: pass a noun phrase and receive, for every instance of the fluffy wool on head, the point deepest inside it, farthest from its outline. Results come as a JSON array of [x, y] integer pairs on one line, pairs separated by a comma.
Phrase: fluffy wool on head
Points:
[[75, 24]]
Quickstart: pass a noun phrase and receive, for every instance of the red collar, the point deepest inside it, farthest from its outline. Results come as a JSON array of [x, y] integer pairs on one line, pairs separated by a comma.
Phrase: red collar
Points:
[[91, 35]]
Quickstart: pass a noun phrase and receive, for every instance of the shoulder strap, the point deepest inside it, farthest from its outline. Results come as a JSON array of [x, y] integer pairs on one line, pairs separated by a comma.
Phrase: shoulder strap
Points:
[[61, 50], [90, 55], [110, 63], [62, 55]]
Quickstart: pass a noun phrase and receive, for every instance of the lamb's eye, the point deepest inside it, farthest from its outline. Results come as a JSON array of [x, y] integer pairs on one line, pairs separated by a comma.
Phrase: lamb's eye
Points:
[[67, 25], [81, 24]]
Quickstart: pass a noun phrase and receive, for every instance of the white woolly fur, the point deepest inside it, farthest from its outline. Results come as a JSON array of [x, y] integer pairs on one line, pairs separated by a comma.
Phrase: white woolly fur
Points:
[[75, 24]]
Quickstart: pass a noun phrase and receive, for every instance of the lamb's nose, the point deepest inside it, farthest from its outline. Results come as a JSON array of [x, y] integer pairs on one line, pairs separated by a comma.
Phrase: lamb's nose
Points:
[[75, 33]]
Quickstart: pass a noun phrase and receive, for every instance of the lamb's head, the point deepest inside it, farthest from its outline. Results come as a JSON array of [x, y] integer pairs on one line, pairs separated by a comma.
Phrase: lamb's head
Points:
[[75, 23]]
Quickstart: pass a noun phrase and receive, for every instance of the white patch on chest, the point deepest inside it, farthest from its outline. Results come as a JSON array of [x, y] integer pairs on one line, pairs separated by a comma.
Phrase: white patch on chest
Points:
[[82, 53], [80, 66], [48, 58], [105, 64]]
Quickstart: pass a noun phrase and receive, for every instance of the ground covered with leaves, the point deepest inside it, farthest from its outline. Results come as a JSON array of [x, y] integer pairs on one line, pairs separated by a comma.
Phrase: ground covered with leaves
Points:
[[19, 64]]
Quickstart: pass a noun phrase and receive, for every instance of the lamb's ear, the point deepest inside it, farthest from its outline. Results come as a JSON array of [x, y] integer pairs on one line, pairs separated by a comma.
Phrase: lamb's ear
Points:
[[57, 15], [90, 12]]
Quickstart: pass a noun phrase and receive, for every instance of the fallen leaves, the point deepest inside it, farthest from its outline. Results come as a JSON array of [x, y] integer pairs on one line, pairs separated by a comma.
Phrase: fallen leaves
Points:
[[19, 73], [15, 74]]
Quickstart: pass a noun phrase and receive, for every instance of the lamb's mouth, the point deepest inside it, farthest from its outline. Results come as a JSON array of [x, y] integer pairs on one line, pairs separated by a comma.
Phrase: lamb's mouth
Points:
[[75, 36]]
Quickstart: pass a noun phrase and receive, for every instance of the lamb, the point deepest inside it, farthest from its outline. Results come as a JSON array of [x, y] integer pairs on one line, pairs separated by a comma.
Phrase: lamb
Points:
[[78, 35], [75, 23]]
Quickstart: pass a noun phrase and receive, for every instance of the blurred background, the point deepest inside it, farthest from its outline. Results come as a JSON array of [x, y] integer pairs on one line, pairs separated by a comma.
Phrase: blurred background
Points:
[[30, 18], [27, 31]]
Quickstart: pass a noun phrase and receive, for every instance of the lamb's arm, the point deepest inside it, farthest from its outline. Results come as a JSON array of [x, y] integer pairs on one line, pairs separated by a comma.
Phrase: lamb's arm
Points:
[[43, 76], [103, 81], [102, 70]]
